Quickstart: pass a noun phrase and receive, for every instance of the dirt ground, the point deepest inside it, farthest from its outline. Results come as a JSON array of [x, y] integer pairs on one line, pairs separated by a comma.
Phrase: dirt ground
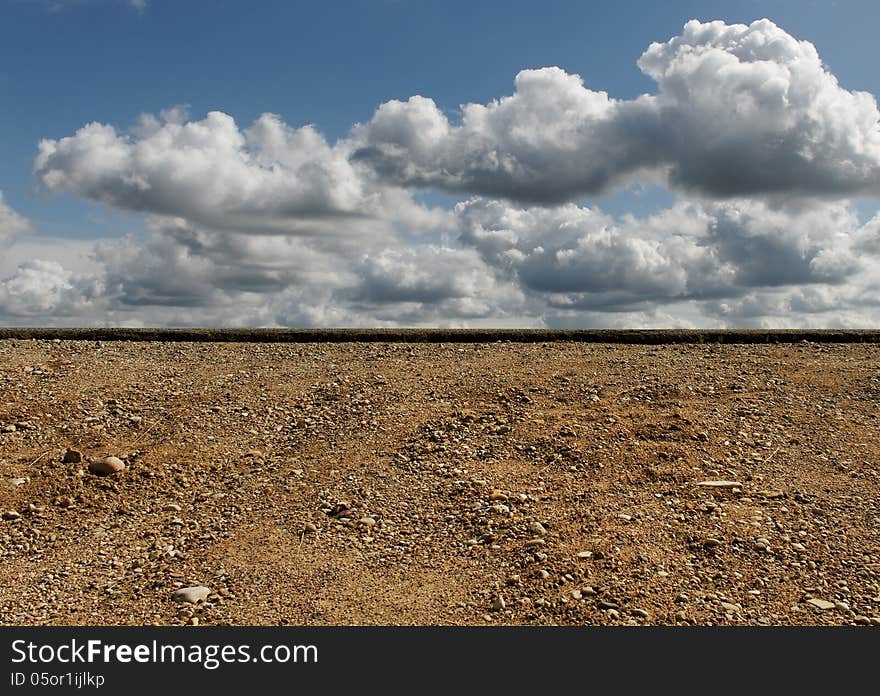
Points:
[[396, 483]]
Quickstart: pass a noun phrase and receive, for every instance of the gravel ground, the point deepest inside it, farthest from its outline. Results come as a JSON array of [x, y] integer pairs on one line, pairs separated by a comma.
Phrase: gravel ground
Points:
[[415, 483]]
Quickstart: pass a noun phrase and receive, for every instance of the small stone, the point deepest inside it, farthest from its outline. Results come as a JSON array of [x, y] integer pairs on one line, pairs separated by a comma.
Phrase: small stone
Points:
[[821, 604], [498, 603], [309, 528], [367, 522], [8, 428], [576, 594], [106, 466], [680, 615], [711, 542], [605, 604], [543, 574], [583, 555], [172, 507], [843, 606], [730, 608], [641, 613], [798, 547], [537, 528], [192, 595], [65, 501], [341, 509], [589, 591], [862, 620], [497, 495], [720, 484], [534, 543], [72, 456], [625, 517], [193, 620], [613, 614], [11, 515]]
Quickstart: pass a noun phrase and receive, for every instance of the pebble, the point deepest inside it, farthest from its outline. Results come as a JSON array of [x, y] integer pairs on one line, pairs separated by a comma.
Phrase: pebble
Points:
[[537, 528], [584, 554], [720, 484], [106, 466], [72, 456], [711, 542], [576, 594], [543, 574], [640, 613], [11, 515], [309, 528], [821, 604], [367, 522], [192, 595], [498, 603], [172, 507], [534, 543], [8, 428], [798, 547], [497, 495]]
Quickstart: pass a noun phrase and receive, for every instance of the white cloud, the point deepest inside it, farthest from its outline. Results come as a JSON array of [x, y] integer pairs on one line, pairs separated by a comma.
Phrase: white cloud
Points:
[[579, 258], [274, 225], [45, 289], [12, 224], [269, 178], [739, 111]]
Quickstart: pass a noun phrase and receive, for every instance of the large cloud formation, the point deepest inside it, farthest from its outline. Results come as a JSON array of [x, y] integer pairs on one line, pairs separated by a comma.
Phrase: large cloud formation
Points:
[[273, 225], [740, 111], [269, 178]]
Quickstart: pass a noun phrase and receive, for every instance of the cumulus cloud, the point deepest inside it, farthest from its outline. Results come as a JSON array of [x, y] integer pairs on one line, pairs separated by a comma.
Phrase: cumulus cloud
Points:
[[739, 111], [45, 289], [12, 224], [272, 225], [581, 258], [268, 178], [732, 263]]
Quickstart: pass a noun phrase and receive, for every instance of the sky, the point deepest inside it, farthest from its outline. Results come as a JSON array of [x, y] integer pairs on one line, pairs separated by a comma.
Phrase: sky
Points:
[[451, 164]]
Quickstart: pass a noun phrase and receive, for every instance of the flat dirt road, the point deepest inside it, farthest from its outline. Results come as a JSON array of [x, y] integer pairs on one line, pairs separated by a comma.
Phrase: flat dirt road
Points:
[[403, 483]]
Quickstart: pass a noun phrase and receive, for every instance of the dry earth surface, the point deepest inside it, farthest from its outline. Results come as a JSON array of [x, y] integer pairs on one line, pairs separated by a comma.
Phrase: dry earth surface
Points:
[[396, 483]]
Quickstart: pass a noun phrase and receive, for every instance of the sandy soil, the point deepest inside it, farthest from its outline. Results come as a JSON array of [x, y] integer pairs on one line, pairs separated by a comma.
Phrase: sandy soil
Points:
[[395, 483]]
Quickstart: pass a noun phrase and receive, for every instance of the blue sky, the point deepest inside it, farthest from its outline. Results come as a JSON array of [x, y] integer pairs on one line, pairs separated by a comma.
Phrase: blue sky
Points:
[[64, 64]]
